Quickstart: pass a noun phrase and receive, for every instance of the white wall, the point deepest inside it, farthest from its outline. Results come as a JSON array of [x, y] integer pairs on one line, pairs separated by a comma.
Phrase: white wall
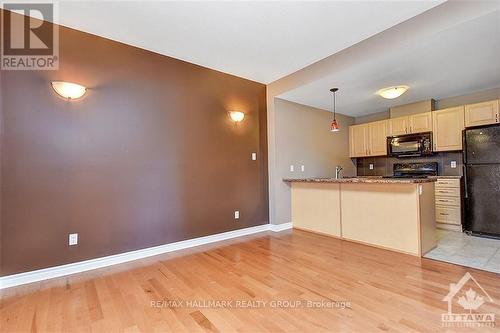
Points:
[[303, 137]]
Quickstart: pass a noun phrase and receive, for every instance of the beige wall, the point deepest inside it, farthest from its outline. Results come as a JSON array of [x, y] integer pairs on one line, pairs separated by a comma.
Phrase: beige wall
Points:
[[372, 117], [412, 108], [303, 138], [476, 97]]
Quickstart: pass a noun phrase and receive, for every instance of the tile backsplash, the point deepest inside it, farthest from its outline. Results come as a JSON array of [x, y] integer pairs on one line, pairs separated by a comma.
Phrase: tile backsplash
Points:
[[382, 166]]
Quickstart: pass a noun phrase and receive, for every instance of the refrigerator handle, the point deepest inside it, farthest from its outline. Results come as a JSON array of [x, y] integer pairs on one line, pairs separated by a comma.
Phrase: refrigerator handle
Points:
[[464, 158], [466, 194], [464, 147]]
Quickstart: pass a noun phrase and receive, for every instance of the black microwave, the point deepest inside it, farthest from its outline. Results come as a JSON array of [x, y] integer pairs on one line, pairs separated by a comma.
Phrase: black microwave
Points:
[[410, 145]]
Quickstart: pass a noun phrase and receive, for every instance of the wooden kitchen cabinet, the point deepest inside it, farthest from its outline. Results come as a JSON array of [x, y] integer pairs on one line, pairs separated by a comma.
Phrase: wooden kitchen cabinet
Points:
[[484, 113], [368, 139], [358, 140], [415, 123], [398, 126], [377, 138], [447, 128], [448, 204], [420, 122]]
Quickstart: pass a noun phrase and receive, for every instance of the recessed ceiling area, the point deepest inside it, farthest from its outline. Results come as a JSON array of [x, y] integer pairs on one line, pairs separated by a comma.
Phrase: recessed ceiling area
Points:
[[259, 40], [460, 59]]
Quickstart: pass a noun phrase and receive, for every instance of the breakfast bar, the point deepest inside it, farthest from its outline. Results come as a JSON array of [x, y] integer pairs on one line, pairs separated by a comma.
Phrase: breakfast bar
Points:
[[394, 214]]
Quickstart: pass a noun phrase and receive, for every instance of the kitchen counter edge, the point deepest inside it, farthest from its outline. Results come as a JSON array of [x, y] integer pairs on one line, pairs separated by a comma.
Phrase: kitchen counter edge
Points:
[[374, 180]]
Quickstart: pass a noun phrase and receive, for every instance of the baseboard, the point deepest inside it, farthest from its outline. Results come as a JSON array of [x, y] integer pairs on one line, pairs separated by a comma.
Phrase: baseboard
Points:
[[82, 266], [280, 227]]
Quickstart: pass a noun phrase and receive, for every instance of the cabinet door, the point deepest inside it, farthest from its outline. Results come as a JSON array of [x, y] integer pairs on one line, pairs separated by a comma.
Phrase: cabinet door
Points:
[[421, 122], [481, 113], [358, 139], [398, 126], [377, 138], [448, 125]]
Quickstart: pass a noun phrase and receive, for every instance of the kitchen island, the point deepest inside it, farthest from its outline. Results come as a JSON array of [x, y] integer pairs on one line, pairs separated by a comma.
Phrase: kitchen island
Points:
[[394, 214]]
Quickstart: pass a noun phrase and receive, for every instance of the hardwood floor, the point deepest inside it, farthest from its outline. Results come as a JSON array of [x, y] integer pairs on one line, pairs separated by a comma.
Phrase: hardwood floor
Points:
[[387, 291]]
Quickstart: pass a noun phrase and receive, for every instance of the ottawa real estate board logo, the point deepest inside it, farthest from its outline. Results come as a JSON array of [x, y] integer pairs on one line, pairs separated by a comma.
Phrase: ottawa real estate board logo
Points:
[[465, 299], [28, 40]]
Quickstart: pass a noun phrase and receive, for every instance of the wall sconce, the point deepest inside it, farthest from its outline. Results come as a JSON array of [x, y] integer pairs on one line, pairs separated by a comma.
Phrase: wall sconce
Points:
[[68, 90], [236, 116]]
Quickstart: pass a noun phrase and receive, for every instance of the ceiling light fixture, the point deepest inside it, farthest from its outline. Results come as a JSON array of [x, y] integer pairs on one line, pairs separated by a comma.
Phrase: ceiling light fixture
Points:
[[236, 116], [334, 126], [68, 90], [392, 92]]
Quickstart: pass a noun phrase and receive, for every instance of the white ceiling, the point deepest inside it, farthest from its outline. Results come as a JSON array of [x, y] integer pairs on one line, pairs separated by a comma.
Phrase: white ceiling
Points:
[[259, 40], [458, 60]]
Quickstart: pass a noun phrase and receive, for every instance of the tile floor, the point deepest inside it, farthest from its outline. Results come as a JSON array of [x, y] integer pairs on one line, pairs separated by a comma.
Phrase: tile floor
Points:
[[471, 251]]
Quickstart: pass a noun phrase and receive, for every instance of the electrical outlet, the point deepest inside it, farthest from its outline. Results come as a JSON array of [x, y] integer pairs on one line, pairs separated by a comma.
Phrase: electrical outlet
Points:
[[370, 166], [453, 164], [292, 168], [254, 156], [302, 168], [236, 214], [73, 239]]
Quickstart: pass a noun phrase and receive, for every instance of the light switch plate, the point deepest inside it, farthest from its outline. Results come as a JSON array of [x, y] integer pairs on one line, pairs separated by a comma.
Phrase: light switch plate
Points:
[[292, 168], [302, 168], [73, 239], [254, 156], [236, 214], [453, 164], [370, 166]]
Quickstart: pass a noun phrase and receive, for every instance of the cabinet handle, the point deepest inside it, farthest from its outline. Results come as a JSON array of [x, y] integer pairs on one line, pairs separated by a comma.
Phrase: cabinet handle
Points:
[[410, 129], [443, 214]]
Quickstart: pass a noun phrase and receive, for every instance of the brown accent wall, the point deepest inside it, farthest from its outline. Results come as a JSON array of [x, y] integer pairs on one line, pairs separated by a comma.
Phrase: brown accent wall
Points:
[[149, 156]]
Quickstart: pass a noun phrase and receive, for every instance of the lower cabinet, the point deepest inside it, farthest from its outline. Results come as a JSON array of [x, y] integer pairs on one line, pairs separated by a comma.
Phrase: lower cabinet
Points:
[[316, 207], [448, 204]]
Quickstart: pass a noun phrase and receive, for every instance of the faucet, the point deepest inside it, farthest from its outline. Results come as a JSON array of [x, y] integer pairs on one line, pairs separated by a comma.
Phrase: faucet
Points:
[[338, 169]]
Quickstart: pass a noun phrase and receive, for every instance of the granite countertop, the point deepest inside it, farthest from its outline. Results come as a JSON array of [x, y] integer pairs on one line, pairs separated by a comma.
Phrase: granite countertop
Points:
[[372, 180], [446, 177]]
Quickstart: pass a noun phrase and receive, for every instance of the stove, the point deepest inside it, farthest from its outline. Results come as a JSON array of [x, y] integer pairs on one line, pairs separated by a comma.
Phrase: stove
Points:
[[414, 170]]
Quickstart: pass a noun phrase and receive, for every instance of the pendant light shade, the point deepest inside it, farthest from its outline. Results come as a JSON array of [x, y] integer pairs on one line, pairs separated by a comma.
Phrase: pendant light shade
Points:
[[334, 126]]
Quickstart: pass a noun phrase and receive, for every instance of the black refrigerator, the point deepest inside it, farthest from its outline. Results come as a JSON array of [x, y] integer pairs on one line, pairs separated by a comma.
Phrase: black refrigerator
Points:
[[482, 180]]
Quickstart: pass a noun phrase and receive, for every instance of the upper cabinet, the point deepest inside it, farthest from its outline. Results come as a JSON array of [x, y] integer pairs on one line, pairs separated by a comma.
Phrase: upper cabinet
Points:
[[484, 113], [378, 138], [398, 126], [415, 123], [421, 122], [448, 125], [368, 139], [358, 140]]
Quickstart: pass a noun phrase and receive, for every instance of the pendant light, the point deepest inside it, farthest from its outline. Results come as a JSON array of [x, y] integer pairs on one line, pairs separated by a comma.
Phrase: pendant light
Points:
[[334, 127]]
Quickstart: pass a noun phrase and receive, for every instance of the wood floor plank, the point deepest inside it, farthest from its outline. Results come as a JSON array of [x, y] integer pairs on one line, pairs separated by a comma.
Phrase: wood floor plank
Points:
[[385, 291]]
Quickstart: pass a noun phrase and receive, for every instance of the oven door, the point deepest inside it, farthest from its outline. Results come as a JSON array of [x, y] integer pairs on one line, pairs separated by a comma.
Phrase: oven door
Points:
[[408, 145]]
